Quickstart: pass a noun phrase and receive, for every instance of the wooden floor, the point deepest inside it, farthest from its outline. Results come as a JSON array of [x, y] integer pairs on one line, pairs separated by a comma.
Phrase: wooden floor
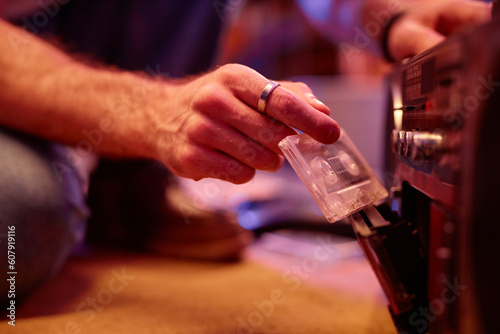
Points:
[[289, 283]]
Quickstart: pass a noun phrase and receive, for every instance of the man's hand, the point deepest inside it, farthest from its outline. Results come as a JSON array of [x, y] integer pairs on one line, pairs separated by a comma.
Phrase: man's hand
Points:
[[427, 23], [206, 126], [210, 126]]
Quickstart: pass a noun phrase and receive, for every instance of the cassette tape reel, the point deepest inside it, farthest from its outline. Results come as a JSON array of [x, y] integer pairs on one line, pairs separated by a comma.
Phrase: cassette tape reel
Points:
[[336, 175]]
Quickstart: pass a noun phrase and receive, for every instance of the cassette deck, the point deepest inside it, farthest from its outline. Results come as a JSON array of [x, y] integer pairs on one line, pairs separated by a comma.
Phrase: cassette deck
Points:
[[433, 243]]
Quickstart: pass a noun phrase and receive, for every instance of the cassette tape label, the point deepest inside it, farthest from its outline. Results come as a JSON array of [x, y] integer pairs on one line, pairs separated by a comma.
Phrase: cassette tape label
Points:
[[336, 175]]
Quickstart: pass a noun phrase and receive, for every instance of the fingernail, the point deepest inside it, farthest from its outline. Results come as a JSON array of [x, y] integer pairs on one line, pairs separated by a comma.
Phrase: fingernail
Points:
[[314, 98], [320, 102], [334, 133]]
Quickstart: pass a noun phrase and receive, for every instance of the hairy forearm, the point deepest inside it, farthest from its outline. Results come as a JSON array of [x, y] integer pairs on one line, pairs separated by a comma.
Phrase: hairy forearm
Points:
[[47, 93], [204, 126]]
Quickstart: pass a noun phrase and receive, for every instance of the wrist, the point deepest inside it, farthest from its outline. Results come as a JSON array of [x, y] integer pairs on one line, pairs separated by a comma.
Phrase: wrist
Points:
[[136, 110], [385, 45]]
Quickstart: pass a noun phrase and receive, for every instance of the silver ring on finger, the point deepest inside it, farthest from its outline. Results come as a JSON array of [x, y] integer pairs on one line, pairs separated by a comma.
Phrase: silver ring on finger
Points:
[[261, 105]]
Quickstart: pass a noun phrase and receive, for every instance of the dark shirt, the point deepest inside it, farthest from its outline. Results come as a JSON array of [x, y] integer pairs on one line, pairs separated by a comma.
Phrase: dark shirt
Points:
[[178, 37]]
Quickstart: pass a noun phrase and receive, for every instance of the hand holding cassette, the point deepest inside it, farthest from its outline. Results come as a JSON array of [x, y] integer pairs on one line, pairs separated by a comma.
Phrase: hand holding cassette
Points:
[[336, 175]]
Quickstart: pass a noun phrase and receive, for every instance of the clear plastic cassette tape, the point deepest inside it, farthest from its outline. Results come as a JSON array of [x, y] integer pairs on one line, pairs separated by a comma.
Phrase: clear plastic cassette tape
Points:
[[336, 175]]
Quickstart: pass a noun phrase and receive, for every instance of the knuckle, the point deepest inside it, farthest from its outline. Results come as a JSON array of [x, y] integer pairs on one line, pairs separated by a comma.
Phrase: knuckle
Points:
[[229, 74], [229, 69], [198, 128], [226, 72], [283, 102], [206, 97], [192, 158], [303, 86]]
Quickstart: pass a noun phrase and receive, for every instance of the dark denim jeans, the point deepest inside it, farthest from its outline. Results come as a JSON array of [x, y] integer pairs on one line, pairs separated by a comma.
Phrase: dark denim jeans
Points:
[[42, 199]]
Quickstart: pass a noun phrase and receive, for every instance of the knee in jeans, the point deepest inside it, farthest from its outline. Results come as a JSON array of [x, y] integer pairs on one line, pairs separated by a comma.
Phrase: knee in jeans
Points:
[[47, 211]]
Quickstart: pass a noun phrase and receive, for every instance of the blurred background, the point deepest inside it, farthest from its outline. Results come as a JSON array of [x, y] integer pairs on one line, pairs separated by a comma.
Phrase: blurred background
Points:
[[274, 38]]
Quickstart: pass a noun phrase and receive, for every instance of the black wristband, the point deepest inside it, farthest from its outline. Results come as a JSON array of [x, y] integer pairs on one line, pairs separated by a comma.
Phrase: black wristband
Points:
[[385, 36]]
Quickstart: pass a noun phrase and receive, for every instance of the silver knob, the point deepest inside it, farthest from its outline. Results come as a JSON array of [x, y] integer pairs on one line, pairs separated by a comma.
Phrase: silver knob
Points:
[[408, 144], [395, 140], [425, 145], [401, 142]]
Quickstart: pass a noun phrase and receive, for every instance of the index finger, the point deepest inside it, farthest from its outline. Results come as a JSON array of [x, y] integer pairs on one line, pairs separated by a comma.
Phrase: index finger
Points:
[[289, 108], [283, 105]]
